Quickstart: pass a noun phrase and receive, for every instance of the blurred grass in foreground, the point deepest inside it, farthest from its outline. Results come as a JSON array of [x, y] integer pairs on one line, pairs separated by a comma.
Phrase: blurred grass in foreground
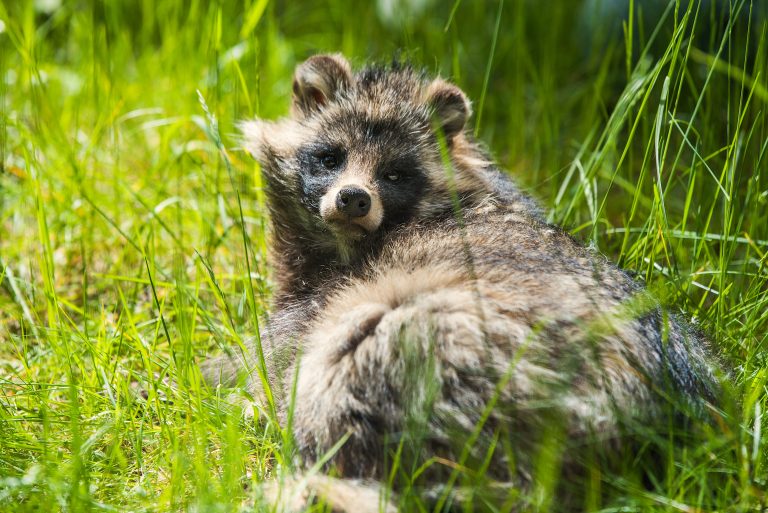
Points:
[[126, 242]]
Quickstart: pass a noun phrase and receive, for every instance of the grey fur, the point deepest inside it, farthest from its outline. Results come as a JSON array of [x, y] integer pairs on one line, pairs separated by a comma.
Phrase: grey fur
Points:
[[408, 329]]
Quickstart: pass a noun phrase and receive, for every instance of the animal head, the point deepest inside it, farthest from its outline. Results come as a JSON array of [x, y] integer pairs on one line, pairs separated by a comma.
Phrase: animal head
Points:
[[362, 153]]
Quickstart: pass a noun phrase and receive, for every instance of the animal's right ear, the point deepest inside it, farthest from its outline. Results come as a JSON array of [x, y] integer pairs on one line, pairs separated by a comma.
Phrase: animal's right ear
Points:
[[317, 81]]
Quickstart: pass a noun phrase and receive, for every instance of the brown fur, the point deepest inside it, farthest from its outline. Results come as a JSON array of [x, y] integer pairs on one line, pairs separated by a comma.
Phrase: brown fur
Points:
[[450, 296]]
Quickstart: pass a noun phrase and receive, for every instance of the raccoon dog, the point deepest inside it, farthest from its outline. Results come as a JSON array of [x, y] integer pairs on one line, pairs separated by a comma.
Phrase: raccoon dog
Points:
[[425, 312]]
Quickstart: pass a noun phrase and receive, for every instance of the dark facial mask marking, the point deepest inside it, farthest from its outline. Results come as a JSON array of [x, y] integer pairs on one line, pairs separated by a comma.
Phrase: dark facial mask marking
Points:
[[319, 166], [401, 197]]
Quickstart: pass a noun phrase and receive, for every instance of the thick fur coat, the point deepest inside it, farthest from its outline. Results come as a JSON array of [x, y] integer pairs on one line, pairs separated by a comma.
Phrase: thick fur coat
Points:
[[424, 306]]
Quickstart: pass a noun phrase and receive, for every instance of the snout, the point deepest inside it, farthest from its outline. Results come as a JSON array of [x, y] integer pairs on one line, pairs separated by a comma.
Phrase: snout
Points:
[[353, 202], [352, 209]]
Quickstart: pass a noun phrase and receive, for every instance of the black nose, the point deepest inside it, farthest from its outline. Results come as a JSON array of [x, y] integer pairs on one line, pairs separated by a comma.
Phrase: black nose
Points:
[[353, 201]]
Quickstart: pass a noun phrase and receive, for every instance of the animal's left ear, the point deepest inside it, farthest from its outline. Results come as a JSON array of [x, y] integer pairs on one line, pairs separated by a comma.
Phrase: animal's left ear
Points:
[[450, 106]]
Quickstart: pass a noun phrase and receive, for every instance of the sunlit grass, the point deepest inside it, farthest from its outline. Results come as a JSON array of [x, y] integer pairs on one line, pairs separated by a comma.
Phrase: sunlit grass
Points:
[[133, 231]]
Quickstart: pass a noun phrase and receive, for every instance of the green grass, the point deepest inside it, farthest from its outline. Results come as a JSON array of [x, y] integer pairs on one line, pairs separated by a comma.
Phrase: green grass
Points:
[[132, 239]]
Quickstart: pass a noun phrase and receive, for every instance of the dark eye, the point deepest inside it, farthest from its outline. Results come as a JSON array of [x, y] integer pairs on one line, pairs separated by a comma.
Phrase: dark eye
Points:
[[329, 160], [392, 177]]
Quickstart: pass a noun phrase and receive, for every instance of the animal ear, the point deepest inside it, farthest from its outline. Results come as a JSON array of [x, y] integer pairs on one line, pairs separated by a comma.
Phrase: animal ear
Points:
[[318, 80], [449, 105]]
